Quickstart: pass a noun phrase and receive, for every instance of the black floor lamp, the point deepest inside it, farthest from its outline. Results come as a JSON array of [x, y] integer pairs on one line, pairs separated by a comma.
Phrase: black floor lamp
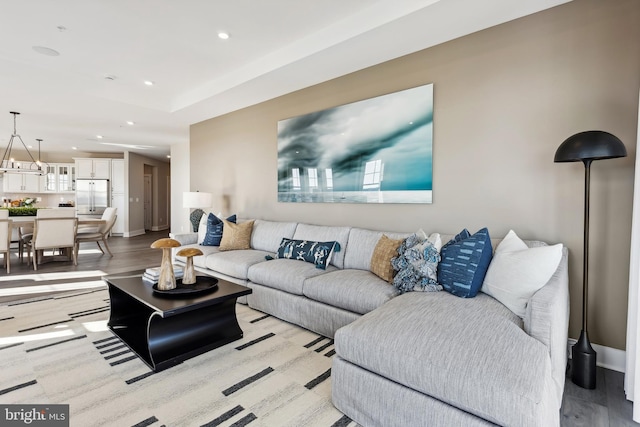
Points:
[[587, 147]]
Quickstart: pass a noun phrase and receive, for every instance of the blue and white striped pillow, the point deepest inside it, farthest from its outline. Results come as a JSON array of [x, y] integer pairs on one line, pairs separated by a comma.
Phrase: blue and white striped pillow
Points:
[[464, 262], [214, 230]]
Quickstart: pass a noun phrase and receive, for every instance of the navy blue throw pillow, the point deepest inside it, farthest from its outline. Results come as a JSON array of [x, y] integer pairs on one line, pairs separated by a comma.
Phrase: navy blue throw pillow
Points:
[[464, 263], [214, 230], [318, 253]]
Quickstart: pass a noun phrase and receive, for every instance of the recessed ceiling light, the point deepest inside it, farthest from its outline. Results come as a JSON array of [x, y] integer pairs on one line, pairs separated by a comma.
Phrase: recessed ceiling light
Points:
[[168, 156], [99, 136], [130, 123], [29, 146], [46, 51], [223, 35], [74, 148], [148, 82]]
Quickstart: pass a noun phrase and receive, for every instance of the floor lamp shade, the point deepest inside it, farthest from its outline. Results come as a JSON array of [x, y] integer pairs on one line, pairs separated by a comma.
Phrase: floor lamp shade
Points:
[[586, 147], [590, 145], [196, 200]]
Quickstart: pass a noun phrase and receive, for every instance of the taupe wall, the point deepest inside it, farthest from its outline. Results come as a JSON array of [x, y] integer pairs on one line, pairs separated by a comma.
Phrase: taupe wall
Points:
[[505, 98]]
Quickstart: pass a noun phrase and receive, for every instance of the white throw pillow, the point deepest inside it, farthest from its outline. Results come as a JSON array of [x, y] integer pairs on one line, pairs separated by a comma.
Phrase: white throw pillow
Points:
[[516, 271]]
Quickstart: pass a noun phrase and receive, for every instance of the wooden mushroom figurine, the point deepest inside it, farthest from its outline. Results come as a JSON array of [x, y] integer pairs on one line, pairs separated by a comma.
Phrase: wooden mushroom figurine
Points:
[[189, 277], [167, 279]]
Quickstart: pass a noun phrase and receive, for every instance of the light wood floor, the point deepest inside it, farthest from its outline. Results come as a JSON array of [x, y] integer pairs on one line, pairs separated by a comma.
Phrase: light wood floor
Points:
[[605, 406]]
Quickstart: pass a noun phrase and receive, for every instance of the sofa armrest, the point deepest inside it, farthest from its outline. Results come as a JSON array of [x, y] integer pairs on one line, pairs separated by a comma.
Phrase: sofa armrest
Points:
[[547, 319], [185, 238]]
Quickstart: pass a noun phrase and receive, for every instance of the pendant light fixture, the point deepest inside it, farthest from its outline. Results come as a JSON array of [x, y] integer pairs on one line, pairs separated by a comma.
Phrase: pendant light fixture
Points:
[[41, 164], [9, 164]]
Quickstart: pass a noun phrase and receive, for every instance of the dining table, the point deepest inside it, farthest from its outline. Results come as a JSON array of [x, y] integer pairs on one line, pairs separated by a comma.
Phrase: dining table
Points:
[[25, 220], [21, 221]]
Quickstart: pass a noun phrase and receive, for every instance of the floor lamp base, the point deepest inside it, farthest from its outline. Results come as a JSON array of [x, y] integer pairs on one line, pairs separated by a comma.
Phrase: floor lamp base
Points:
[[583, 363]]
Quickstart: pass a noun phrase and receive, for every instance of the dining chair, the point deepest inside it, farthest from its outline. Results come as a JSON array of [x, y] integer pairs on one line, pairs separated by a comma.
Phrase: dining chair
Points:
[[101, 234], [53, 229], [24, 235], [5, 238]]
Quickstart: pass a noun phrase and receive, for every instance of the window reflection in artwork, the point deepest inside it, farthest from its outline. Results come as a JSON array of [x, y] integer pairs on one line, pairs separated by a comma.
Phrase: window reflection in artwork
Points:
[[377, 150], [329, 178], [372, 175], [295, 174], [313, 177]]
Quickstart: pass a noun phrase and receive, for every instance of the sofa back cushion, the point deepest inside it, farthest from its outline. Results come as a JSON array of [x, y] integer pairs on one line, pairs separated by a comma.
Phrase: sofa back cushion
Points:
[[267, 235], [361, 245], [325, 233]]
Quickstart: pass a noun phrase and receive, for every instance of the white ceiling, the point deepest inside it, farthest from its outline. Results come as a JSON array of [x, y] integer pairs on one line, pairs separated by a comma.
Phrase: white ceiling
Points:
[[276, 47]]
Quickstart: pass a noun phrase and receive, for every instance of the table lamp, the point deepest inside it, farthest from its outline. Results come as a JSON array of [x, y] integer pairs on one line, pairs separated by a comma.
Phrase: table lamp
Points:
[[196, 200], [586, 147]]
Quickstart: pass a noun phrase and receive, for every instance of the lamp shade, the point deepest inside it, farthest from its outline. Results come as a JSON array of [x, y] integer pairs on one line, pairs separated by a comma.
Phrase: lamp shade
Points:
[[590, 145], [196, 199]]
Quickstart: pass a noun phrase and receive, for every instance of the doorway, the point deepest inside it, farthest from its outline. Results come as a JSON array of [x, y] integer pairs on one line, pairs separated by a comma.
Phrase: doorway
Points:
[[148, 202]]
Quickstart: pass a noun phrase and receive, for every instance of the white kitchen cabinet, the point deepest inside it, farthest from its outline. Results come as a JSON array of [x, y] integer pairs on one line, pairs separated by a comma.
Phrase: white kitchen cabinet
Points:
[[60, 178], [50, 181], [117, 176], [117, 201], [21, 183], [117, 194], [93, 168], [66, 177]]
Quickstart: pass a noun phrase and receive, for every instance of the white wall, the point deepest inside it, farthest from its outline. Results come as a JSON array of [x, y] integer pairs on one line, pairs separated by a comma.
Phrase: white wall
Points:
[[179, 184]]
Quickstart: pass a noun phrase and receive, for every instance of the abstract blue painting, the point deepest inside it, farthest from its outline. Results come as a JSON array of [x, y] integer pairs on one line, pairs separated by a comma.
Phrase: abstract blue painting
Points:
[[378, 150]]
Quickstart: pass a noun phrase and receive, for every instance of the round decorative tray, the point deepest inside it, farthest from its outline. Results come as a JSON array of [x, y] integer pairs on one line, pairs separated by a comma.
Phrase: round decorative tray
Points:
[[203, 285]]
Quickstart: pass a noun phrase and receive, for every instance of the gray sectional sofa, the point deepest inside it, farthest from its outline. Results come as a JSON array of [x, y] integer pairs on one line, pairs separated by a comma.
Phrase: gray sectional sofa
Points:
[[417, 359]]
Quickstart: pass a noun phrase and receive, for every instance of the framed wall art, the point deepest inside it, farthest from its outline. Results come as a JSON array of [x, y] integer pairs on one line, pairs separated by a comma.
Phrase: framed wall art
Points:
[[378, 150]]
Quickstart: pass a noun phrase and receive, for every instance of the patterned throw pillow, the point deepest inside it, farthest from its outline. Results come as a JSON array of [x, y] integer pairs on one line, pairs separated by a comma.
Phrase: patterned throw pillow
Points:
[[214, 230], [385, 249], [465, 260], [236, 236], [417, 263], [318, 253]]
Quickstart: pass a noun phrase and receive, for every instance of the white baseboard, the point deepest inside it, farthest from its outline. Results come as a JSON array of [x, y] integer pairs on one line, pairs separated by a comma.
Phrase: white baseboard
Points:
[[607, 357], [134, 233]]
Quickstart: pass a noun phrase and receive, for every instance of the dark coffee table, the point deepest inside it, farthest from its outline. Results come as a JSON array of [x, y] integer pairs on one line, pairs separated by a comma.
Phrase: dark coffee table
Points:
[[166, 331]]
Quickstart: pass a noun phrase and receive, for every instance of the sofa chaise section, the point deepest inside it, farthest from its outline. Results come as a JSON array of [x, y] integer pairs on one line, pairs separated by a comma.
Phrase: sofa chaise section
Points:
[[472, 359]]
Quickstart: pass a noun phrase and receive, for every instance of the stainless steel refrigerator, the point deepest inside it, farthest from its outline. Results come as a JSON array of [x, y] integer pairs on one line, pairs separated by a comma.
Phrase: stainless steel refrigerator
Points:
[[92, 196]]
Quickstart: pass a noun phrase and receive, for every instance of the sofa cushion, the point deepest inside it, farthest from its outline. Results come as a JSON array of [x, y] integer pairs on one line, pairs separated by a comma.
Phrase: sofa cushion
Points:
[[198, 261], [267, 235], [464, 263], [322, 233], [235, 263], [385, 249], [236, 236], [213, 235], [469, 353], [517, 271], [358, 291], [317, 253], [284, 274], [361, 244]]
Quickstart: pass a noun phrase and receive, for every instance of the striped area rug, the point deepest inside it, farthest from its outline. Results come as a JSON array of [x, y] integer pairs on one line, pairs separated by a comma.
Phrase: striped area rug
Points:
[[58, 350]]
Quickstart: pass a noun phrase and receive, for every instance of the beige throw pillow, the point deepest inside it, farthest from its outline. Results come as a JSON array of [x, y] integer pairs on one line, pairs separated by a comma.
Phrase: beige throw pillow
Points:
[[385, 249], [236, 236]]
